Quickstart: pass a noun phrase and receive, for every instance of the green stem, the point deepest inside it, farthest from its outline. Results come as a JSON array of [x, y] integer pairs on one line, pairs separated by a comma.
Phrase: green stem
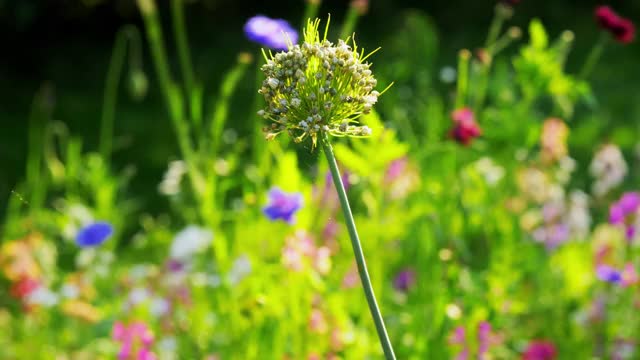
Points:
[[594, 56], [357, 249], [350, 22], [496, 24], [170, 90], [184, 56], [463, 78], [110, 96], [310, 11]]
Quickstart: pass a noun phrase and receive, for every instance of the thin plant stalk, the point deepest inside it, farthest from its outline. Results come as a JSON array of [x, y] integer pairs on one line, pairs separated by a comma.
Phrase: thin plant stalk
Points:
[[463, 77], [350, 21], [184, 56], [170, 90], [110, 96], [357, 249], [593, 57], [310, 11]]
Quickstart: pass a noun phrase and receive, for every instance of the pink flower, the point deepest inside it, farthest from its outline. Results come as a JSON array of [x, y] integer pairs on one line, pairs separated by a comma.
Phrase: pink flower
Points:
[[622, 29], [540, 350], [465, 127], [135, 341]]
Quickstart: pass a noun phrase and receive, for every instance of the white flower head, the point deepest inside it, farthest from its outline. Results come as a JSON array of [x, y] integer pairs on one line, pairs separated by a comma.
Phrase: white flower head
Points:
[[190, 241]]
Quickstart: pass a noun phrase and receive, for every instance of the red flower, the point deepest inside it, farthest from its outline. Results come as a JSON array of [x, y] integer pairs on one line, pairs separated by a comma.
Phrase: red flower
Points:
[[622, 29], [540, 350], [465, 128], [23, 287]]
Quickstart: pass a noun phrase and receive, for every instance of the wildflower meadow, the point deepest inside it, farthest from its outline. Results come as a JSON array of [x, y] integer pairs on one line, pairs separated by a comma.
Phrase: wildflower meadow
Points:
[[399, 192]]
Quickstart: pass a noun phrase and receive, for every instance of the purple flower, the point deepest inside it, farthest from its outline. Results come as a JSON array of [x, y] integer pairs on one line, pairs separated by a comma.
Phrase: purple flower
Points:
[[608, 274], [272, 33], [622, 211], [282, 205], [94, 234], [405, 280]]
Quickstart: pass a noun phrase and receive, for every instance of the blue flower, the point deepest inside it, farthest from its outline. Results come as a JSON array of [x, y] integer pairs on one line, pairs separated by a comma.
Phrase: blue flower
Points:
[[272, 33], [282, 205], [94, 234], [608, 274]]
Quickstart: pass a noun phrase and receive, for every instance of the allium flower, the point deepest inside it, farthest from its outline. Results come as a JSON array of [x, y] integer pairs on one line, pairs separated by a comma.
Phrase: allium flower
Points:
[[608, 168], [622, 29], [189, 241], [540, 350], [625, 212], [465, 128], [608, 274], [282, 206], [317, 87], [135, 341], [94, 234], [405, 280], [275, 34]]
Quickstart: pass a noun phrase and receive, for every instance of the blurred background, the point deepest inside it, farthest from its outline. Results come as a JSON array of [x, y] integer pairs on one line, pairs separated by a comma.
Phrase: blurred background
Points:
[[66, 45]]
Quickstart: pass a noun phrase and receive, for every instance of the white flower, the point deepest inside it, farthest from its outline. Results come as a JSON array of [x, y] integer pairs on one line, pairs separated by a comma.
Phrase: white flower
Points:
[[448, 75], [159, 306], [239, 270], [42, 296], [69, 291], [138, 295], [490, 171], [608, 168], [191, 240], [170, 184]]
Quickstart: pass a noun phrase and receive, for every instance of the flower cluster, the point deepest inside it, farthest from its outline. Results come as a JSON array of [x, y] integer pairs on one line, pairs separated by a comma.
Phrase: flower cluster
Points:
[[405, 280], [622, 29], [465, 128], [317, 87], [135, 341], [485, 339], [608, 168], [300, 252]]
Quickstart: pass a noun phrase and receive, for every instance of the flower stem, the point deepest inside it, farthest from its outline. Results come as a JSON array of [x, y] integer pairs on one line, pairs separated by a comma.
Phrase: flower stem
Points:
[[357, 249], [593, 57], [116, 64]]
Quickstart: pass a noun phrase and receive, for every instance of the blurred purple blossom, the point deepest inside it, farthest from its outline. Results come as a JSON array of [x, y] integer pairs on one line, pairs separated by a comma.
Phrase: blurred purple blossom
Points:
[[608, 274], [282, 205], [405, 280], [94, 234], [272, 33], [624, 211]]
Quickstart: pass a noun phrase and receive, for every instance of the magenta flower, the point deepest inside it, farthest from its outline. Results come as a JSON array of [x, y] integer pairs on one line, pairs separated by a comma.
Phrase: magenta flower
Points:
[[540, 350], [624, 212], [465, 127], [135, 341], [405, 280], [282, 205], [272, 33], [622, 29], [608, 274]]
